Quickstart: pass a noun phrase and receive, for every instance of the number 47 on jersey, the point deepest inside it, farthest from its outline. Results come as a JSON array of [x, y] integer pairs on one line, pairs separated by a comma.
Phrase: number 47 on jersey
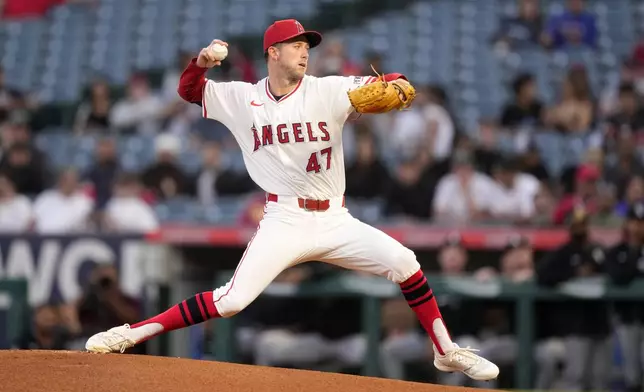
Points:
[[314, 162]]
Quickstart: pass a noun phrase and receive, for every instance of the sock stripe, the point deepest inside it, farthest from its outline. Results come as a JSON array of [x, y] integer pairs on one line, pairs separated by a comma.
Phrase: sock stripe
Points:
[[193, 309], [415, 287], [185, 309], [422, 300], [418, 293], [407, 284], [183, 314], [203, 305], [200, 306]]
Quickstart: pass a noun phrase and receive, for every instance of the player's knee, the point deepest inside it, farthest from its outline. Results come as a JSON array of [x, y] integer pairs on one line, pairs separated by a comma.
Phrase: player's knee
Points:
[[405, 266]]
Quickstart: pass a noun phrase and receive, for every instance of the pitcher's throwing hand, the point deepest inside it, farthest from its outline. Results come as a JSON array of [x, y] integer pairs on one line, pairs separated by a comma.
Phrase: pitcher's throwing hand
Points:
[[206, 58]]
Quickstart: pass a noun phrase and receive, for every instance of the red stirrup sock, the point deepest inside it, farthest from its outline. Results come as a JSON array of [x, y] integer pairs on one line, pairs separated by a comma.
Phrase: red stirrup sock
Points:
[[193, 310], [421, 300]]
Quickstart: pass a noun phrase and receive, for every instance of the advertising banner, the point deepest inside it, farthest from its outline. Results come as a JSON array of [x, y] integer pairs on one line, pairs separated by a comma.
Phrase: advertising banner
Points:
[[58, 267]]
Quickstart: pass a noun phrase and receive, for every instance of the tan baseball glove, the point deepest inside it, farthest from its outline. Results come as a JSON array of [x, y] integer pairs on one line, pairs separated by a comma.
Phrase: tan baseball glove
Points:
[[382, 96]]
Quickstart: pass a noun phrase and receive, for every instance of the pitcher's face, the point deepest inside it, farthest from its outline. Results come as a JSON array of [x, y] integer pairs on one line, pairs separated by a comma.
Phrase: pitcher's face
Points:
[[293, 57]]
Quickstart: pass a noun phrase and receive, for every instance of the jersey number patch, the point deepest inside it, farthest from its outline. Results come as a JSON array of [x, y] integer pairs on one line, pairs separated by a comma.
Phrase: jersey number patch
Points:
[[314, 165]]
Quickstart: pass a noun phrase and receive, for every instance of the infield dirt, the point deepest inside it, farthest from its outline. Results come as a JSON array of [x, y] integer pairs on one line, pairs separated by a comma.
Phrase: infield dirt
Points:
[[67, 371]]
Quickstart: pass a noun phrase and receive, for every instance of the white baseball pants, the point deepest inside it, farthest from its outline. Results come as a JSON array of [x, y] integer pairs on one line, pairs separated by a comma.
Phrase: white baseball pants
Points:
[[289, 235]]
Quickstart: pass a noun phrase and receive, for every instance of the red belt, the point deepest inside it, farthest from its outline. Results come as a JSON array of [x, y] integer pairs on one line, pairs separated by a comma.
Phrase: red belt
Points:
[[308, 204]]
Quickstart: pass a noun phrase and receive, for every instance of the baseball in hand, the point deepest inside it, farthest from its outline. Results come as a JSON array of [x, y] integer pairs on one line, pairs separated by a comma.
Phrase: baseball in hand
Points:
[[219, 51]]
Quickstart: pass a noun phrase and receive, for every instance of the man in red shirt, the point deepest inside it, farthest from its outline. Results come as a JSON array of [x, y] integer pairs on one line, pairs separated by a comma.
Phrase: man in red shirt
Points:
[[585, 194]]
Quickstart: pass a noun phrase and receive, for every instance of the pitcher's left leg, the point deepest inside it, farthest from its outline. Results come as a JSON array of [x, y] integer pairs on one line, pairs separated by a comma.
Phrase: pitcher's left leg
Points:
[[355, 245]]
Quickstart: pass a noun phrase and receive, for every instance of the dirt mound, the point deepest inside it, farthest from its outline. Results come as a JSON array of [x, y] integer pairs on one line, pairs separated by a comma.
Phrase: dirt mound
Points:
[[67, 371]]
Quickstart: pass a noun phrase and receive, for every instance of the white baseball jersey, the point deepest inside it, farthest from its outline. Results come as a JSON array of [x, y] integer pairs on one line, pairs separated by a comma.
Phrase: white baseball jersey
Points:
[[291, 147]]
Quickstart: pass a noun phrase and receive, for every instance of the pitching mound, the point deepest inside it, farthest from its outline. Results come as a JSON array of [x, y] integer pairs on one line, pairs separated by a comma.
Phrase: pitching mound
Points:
[[66, 371]]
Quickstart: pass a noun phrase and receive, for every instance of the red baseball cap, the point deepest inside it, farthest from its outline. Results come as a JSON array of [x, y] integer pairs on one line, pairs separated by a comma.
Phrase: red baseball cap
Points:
[[283, 30], [588, 173]]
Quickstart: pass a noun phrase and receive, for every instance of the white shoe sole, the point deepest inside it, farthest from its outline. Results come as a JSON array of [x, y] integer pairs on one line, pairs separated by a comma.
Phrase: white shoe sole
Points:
[[97, 347], [448, 369]]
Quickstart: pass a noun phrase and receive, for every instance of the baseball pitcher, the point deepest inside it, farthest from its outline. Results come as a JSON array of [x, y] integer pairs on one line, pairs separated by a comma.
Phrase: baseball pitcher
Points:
[[289, 127]]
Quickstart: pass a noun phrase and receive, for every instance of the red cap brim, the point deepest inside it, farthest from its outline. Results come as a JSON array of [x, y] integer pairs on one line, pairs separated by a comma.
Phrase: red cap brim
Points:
[[313, 37]]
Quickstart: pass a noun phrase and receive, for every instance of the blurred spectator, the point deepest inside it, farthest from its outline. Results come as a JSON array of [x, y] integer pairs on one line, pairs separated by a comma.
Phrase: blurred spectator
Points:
[[573, 28], [182, 115], [367, 177], [215, 180], [426, 127], [409, 130], [22, 106], [630, 72], [575, 111], [583, 325], [103, 172], [517, 262], [628, 117], [486, 149], [464, 195], [206, 182], [64, 209], [103, 304], [52, 328], [623, 164], [127, 212], [165, 177], [592, 157], [603, 209], [409, 194], [332, 60], [516, 192], [623, 264], [452, 256], [441, 128], [606, 214], [586, 195], [521, 31], [16, 131], [15, 209], [533, 164], [24, 169], [526, 110], [93, 114], [634, 194], [544, 205], [141, 111]]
